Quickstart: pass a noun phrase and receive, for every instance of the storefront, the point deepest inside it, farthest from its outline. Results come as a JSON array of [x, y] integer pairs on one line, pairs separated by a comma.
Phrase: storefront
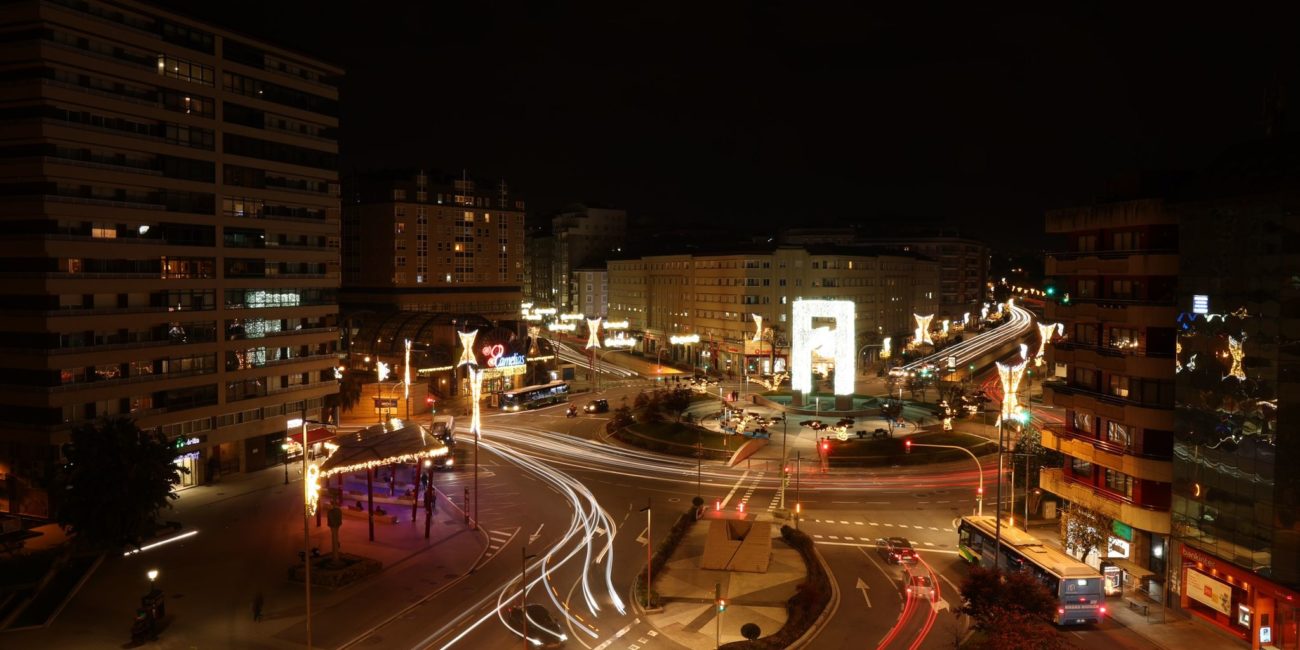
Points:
[[1259, 612], [189, 457]]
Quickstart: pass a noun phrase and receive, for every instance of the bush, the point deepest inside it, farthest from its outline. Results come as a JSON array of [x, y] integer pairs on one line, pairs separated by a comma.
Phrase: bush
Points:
[[324, 573], [802, 609], [662, 553]]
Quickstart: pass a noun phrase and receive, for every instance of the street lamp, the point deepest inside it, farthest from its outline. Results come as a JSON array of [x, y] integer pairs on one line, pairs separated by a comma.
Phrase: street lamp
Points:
[[284, 450], [649, 543], [309, 474], [1021, 417]]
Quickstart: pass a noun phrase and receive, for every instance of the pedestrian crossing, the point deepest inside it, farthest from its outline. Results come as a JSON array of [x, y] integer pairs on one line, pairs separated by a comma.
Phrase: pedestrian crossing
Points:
[[498, 539]]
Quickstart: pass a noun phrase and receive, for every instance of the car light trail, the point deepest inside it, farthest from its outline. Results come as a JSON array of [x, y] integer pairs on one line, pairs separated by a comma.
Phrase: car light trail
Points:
[[169, 540]]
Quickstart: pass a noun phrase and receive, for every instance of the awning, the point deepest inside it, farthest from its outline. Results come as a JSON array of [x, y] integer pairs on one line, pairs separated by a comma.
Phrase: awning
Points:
[[382, 444], [313, 436], [1136, 571]]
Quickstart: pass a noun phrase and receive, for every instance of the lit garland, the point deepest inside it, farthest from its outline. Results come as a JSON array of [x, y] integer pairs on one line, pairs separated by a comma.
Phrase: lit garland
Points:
[[842, 311], [563, 327], [922, 335], [684, 339], [593, 333], [385, 462], [758, 328], [467, 349], [1010, 377]]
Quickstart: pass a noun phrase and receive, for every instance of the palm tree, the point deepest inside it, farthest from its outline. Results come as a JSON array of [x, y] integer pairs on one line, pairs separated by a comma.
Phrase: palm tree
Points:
[[349, 395]]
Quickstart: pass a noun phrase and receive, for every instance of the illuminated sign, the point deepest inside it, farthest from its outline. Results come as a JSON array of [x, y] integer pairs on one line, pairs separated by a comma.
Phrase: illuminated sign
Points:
[[181, 443], [684, 339], [1200, 304], [507, 361], [492, 353], [1216, 595]]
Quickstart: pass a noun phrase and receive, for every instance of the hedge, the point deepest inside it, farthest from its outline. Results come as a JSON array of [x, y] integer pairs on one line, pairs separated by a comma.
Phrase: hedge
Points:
[[662, 553]]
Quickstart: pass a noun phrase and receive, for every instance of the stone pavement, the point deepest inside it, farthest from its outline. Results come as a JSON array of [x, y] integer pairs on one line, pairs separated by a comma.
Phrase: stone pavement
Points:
[[689, 616], [249, 531]]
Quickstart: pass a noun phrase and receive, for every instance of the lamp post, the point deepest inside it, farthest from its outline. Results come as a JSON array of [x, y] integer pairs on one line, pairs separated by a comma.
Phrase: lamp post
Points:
[[523, 589], [284, 451], [309, 507], [649, 543], [699, 469], [798, 500]]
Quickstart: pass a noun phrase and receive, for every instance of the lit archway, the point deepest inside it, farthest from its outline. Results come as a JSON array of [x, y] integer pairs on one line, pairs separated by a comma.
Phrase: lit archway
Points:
[[840, 340]]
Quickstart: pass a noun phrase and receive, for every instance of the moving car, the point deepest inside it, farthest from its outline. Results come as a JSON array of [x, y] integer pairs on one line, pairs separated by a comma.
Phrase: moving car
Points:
[[597, 406], [543, 631], [918, 586], [443, 428], [896, 550]]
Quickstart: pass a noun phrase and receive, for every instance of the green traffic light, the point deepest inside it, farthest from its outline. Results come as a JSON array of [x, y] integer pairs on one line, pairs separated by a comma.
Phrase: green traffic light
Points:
[[1051, 291]]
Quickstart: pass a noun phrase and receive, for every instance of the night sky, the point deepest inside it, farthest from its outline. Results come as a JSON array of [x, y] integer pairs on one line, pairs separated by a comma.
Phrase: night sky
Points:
[[799, 112]]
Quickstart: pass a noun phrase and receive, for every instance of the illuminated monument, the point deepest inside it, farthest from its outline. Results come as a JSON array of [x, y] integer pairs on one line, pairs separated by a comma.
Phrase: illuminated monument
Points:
[[837, 343]]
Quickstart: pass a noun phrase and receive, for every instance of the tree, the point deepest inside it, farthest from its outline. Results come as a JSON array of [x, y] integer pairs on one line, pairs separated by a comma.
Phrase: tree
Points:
[[349, 395], [621, 418], [676, 401], [1083, 530], [115, 480], [1012, 609]]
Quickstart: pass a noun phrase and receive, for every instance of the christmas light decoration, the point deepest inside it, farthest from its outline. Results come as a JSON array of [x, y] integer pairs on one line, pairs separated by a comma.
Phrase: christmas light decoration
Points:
[[406, 373], [476, 396], [885, 350], [616, 325], [1044, 337], [381, 370], [684, 339], [758, 328], [1235, 349], [965, 318], [945, 324], [563, 327], [843, 312], [311, 487], [922, 334], [1010, 377], [568, 317], [593, 333], [467, 349], [545, 311], [1024, 351], [338, 372], [1178, 354], [620, 341], [533, 333]]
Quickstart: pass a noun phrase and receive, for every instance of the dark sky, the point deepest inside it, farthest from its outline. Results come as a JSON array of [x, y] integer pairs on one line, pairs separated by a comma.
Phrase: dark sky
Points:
[[799, 112]]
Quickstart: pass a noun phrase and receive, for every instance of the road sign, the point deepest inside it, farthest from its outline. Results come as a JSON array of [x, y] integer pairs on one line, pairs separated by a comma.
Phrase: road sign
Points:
[[385, 402]]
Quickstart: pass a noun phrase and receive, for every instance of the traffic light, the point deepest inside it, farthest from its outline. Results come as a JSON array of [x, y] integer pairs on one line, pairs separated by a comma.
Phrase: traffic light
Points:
[[826, 445], [429, 399], [722, 605], [1050, 291], [979, 491], [907, 446]]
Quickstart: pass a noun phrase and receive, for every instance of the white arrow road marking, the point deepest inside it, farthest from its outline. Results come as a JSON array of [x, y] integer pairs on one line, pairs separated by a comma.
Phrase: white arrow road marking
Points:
[[538, 533], [642, 538], [863, 587]]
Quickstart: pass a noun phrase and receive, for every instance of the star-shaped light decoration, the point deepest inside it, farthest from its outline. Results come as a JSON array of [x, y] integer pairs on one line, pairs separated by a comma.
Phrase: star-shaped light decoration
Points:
[[1044, 337], [593, 333], [922, 334], [758, 328], [467, 349], [381, 369], [533, 332]]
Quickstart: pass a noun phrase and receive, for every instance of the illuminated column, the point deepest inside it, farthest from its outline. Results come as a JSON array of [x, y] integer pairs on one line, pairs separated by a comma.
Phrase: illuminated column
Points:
[[476, 390], [382, 372], [922, 334], [467, 349], [984, 312], [1010, 376], [533, 333], [842, 340], [1045, 337], [965, 318]]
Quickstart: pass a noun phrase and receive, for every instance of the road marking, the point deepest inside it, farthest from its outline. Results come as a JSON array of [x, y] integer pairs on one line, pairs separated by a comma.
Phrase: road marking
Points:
[[864, 587], [734, 488], [533, 538], [871, 545]]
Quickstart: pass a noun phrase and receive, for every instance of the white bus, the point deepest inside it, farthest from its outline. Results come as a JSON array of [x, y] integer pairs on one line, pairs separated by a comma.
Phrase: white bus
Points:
[[1078, 587], [528, 397]]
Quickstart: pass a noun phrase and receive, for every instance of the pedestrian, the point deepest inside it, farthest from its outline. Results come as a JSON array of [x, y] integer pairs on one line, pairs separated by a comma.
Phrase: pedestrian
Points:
[[257, 608]]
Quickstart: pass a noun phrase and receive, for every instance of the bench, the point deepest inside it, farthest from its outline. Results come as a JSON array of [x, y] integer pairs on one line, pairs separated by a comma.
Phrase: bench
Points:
[[1137, 606]]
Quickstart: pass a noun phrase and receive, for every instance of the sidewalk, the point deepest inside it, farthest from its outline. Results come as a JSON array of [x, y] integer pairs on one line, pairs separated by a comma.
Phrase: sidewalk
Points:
[[689, 616], [249, 530]]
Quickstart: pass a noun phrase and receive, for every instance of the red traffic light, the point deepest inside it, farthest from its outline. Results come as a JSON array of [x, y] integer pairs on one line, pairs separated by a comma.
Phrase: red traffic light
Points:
[[429, 399], [826, 446], [907, 446]]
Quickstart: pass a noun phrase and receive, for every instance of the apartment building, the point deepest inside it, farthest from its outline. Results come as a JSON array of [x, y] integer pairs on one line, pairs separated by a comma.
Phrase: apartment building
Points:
[[716, 295], [1113, 376], [170, 238], [584, 236], [412, 243], [592, 295]]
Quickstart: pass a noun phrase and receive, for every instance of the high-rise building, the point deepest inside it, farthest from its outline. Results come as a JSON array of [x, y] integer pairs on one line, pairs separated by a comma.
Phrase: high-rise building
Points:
[[584, 237], [411, 243], [716, 295], [170, 209], [1112, 376], [539, 288], [1236, 500]]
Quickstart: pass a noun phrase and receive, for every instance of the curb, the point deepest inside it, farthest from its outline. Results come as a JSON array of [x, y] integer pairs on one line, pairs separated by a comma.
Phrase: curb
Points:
[[828, 613]]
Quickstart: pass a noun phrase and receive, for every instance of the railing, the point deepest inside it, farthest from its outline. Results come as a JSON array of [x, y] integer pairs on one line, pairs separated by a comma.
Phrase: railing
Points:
[[1069, 389], [1063, 431], [1112, 351], [1107, 494]]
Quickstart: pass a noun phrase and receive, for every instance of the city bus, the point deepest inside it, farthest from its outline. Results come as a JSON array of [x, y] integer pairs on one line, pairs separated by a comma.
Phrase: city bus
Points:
[[529, 397], [1078, 587]]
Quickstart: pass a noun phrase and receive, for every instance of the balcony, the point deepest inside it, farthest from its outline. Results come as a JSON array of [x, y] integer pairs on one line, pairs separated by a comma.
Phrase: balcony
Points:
[[1128, 361], [1146, 416], [1149, 263], [1108, 454], [1153, 520]]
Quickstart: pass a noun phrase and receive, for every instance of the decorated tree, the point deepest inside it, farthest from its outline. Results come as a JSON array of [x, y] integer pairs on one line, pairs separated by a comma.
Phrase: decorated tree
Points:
[[1083, 530], [115, 480]]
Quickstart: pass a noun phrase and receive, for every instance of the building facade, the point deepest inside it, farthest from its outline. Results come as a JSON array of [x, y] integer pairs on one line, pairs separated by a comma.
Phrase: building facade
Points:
[[584, 237], [963, 262], [592, 295], [1112, 376], [1236, 505], [715, 296], [170, 236], [539, 287], [410, 244]]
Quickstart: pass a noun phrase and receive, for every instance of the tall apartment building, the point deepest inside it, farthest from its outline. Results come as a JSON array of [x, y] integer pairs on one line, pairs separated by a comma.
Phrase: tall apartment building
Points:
[[584, 237], [447, 246], [170, 232], [963, 262], [1236, 500], [716, 296], [1113, 375], [592, 295]]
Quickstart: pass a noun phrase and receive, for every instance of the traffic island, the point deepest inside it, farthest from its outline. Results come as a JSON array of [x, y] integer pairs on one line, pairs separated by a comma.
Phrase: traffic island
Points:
[[326, 572]]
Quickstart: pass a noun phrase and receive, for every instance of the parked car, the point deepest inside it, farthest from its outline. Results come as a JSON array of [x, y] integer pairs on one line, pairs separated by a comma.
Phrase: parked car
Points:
[[918, 586], [543, 631], [597, 406], [896, 550]]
